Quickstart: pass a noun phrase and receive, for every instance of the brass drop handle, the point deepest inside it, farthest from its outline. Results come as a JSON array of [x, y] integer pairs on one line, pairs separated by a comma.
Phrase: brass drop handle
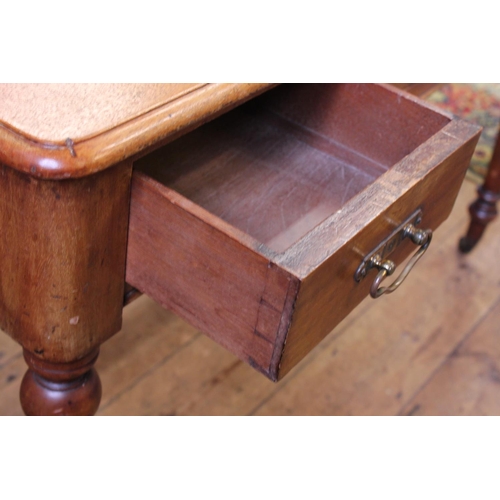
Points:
[[421, 237]]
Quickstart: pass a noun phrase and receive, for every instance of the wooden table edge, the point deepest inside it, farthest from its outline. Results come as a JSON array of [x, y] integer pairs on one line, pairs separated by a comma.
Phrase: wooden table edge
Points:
[[79, 158]]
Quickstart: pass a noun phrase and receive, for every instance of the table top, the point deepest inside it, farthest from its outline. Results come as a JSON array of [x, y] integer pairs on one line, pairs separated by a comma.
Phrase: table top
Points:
[[54, 112], [72, 130]]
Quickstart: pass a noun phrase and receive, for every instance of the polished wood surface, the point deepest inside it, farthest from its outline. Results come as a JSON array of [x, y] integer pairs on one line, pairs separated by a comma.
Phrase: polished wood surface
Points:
[[62, 250], [63, 389], [275, 204], [390, 356], [64, 131]]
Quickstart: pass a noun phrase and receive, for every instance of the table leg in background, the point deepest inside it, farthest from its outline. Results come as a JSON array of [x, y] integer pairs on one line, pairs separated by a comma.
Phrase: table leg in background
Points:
[[484, 209]]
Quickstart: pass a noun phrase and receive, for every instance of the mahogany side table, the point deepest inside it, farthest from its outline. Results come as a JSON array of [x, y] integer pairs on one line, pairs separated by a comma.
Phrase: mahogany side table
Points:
[[264, 223]]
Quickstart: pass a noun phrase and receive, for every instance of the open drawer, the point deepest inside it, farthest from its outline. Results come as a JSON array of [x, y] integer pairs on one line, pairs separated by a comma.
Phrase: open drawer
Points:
[[253, 226]]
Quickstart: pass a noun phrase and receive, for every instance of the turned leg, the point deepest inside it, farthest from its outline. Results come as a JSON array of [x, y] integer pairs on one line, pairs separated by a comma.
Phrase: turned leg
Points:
[[484, 209], [62, 254], [60, 388]]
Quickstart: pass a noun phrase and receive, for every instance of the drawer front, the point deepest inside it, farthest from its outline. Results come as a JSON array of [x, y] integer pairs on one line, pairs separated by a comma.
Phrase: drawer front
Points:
[[207, 241], [328, 290]]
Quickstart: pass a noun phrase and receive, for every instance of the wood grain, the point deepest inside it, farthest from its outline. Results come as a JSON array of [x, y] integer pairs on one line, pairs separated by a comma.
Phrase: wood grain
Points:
[[150, 337], [62, 248], [468, 383], [104, 124]]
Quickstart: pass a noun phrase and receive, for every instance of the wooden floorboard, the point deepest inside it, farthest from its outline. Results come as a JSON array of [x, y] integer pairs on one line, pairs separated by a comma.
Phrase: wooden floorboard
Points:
[[468, 383], [429, 348]]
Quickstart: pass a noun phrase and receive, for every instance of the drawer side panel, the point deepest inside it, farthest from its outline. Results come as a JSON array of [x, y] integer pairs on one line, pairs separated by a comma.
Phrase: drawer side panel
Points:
[[209, 278]]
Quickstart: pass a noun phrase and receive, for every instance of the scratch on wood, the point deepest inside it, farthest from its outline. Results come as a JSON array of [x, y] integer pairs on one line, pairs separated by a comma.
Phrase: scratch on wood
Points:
[[74, 320], [262, 336], [450, 135], [70, 145]]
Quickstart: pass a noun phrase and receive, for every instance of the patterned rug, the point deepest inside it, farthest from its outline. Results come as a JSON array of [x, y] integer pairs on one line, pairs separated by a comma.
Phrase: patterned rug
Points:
[[478, 103]]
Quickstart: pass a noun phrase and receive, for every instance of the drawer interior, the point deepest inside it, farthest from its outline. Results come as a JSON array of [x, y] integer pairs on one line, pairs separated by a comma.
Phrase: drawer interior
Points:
[[252, 226], [281, 164]]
